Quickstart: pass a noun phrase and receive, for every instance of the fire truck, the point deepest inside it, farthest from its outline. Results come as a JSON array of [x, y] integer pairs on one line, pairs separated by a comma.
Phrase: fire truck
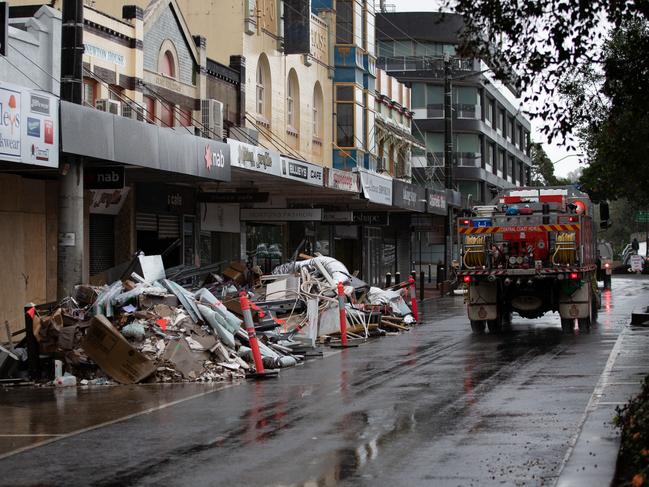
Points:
[[532, 251]]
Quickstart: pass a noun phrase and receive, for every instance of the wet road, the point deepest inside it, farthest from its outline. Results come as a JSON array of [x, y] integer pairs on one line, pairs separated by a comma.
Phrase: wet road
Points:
[[435, 406]]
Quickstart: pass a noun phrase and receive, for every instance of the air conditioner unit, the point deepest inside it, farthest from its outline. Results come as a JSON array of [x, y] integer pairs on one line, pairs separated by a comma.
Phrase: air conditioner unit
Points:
[[106, 105], [133, 112], [212, 119]]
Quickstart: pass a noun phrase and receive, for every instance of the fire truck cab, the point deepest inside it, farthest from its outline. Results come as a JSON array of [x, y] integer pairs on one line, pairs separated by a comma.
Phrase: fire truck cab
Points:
[[531, 251]]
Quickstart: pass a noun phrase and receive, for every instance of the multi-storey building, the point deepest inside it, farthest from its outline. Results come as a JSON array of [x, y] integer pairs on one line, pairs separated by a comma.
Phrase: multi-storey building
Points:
[[393, 125], [490, 135]]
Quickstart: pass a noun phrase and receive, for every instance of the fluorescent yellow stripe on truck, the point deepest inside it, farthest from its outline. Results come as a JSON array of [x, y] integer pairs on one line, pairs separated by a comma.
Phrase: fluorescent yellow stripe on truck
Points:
[[513, 229]]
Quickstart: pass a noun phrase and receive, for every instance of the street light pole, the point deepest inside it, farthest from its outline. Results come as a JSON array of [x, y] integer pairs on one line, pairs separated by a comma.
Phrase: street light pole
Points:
[[448, 158]]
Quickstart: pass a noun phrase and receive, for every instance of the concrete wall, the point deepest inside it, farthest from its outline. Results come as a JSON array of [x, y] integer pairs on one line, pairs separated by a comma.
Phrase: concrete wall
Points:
[[34, 55]]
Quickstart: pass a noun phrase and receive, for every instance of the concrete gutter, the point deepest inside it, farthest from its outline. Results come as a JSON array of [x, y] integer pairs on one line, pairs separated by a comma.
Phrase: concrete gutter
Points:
[[591, 460]]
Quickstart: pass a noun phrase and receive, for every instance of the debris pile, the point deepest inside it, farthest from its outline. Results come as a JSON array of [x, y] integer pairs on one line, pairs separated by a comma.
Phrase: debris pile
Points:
[[147, 327]]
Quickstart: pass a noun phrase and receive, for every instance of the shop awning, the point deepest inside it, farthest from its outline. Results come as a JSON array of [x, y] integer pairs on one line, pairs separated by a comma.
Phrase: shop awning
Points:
[[106, 137], [409, 196], [376, 188]]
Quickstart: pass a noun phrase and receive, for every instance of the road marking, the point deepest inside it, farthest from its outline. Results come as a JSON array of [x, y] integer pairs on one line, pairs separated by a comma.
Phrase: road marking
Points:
[[594, 401], [35, 435], [113, 421]]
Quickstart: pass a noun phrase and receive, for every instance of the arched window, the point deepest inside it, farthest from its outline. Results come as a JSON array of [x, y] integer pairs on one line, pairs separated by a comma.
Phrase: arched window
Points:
[[263, 88], [293, 102], [317, 111], [167, 60]]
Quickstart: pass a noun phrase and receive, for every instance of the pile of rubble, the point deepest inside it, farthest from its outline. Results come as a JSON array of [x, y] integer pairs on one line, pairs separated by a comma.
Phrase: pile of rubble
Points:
[[146, 327]]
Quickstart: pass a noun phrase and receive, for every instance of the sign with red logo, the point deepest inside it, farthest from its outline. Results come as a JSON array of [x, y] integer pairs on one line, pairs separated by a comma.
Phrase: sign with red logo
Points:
[[22, 114]]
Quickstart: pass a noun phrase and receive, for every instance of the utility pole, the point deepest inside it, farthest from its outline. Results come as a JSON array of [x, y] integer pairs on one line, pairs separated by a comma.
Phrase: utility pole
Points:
[[71, 228], [448, 159]]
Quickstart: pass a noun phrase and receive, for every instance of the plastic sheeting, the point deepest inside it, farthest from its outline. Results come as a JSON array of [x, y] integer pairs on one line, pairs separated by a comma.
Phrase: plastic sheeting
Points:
[[393, 298], [337, 269]]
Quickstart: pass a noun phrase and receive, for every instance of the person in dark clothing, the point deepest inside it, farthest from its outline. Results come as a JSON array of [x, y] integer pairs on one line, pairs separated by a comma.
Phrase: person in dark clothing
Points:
[[635, 245]]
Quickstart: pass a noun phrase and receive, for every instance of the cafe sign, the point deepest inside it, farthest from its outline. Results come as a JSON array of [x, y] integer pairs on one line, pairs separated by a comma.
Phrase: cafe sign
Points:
[[302, 171]]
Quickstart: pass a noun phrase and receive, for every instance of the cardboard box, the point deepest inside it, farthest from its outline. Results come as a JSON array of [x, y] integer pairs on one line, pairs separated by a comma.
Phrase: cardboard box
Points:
[[235, 275], [105, 345]]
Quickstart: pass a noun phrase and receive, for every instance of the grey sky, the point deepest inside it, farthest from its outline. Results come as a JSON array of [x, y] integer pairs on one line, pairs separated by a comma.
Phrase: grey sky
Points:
[[554, 151]]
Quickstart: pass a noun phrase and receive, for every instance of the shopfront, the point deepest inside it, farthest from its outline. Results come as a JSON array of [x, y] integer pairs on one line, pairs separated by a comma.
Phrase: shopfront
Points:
[[268, 230], [408, 241], [29, 159], [378, 254], [144, 213]]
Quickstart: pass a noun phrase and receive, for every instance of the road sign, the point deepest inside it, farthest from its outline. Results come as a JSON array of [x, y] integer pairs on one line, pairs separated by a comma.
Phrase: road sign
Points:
[[636, 263], [641, 216]]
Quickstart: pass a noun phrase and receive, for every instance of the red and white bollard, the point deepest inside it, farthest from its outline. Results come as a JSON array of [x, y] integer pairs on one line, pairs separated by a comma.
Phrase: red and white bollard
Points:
[[342, 314], [260, 372], [413, 298]]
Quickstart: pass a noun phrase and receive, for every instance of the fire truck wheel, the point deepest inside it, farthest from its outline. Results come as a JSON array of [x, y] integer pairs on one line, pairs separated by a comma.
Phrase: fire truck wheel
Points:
[[567, 325], [477, 326], [594, 312], [495, 326], [584, 325], [607, 282]]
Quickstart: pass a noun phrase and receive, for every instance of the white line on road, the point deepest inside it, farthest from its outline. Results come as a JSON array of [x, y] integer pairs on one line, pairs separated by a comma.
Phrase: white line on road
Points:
[[35, 435], [113, 421], [594, 401]]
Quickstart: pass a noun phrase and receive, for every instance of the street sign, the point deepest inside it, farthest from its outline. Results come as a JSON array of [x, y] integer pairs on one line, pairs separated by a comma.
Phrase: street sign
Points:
[[641, 216], [636, 263]]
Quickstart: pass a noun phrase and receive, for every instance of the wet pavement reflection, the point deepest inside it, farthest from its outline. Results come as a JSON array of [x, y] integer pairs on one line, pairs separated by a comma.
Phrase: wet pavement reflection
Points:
[[435, 406]]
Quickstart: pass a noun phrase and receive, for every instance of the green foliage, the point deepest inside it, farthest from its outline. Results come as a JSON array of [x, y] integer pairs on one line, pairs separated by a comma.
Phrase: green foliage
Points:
[[616, 135], [633, 419], [534, 43], [543, 169]]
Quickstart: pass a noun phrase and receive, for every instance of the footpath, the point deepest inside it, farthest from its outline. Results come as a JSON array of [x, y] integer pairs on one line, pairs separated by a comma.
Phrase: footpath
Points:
[[591, 460]]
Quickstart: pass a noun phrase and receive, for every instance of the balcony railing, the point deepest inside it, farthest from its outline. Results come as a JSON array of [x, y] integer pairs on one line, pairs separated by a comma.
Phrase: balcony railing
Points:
[[464, 110], [435, 110], [425, 63]]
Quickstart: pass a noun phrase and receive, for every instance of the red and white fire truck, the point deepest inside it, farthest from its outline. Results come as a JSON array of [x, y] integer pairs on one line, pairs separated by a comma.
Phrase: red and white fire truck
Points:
[[532, 251]]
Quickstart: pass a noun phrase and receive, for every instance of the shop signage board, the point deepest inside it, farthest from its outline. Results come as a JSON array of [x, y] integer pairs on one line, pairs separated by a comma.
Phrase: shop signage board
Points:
[[409, 196], [29, 126], [108, 201], [246, 196], [338, 217], [281, 214], [297, 26], [254, 158], [302, 171], [376, 219], [376, 188], [343, 180], [213, 159], [103, 177], [220, 218], [436, 201]]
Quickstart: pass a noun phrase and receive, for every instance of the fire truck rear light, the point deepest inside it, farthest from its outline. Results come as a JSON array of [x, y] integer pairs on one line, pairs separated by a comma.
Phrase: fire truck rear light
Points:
[[574, 276], [607, 265], [467, 278], [466, 222], [573, 219]]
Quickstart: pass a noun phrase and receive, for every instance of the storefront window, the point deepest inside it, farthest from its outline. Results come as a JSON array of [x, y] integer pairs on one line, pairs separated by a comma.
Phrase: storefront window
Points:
[[265, 244]]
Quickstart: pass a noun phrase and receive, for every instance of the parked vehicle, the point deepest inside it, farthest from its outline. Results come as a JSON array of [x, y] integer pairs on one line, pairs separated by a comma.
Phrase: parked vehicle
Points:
[[531, 251]]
